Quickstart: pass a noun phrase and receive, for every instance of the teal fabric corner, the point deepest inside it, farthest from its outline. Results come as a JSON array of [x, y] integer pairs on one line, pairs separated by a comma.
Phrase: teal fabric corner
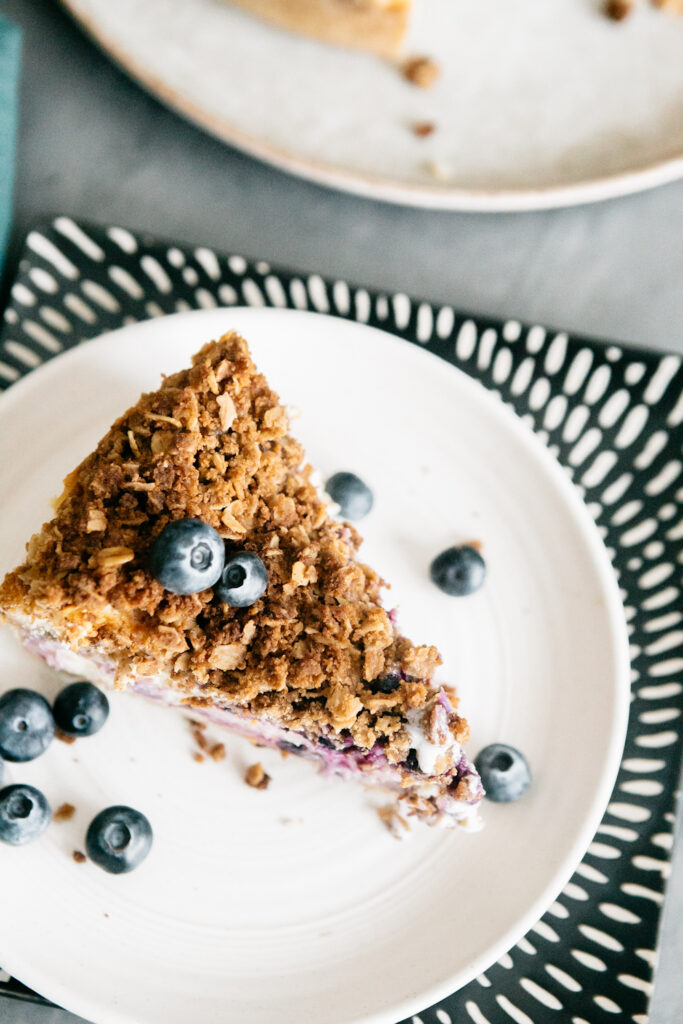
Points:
[[10, 57]]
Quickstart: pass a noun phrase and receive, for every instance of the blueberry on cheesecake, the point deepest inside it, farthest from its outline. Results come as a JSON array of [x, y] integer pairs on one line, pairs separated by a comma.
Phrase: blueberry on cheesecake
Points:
[[192, 560]]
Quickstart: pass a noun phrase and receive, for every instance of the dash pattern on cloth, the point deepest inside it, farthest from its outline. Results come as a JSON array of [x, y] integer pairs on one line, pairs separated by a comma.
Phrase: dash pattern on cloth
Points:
[[611, 416]]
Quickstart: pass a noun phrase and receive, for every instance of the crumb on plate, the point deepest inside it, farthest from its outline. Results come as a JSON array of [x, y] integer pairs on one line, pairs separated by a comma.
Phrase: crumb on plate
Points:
[[80, 858], [216, 751], [617, 10], [256, 777], [439, 170], [420, 71], [423, 128], [64, 737], [394, 821], [64, 813], [200, 739]]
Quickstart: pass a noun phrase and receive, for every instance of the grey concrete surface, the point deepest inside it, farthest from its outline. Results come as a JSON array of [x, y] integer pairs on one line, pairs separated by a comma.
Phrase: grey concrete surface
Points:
[[94, 145]]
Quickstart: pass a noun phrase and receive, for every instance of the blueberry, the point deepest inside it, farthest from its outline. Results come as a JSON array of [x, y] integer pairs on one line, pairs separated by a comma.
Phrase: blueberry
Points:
[[289, 747], [81, 709], [352, 495], [24, 814], [26, 725], [504, 771], [187, 556], [243, 580], [387, 684], [458, 571], [118, 839], [412, 761]]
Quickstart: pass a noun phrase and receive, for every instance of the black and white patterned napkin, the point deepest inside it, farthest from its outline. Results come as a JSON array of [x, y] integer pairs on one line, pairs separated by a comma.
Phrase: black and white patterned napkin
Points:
[[612, 417]]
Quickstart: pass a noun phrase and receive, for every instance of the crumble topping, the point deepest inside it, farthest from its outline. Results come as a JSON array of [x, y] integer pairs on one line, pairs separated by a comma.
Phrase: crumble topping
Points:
[[96, 521], [109, 558], [212, 444]]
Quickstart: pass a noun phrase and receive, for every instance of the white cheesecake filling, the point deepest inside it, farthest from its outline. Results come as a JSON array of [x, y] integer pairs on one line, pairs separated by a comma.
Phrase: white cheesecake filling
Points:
[[427, 751]]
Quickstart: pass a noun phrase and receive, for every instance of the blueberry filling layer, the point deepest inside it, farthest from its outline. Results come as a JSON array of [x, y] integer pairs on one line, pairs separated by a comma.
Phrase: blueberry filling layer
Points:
[[452, 794]]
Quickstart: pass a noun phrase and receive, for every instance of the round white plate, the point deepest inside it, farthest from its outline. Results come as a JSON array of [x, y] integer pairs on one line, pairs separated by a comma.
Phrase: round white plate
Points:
[[539, 103], [295, 905]]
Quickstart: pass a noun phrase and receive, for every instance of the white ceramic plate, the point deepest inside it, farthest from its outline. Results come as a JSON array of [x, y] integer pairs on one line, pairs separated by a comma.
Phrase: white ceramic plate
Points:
[[539, 104], [294, 904]]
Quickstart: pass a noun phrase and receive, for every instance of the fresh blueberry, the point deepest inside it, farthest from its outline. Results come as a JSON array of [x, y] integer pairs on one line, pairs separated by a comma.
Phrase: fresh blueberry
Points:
[[187, 556], [458, 571], [118, 839], [387, 684], [353, 496], [24, 814], [80, 709], [504, 771], [243, 580], [26, 725]]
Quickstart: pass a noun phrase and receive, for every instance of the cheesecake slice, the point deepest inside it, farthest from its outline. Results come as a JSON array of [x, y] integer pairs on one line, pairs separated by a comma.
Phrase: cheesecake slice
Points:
[[375, 25], [300, 655]]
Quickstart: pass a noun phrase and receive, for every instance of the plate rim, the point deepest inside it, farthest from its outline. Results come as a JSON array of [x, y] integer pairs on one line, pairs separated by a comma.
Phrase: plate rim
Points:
[[369, 186], [620, 689]]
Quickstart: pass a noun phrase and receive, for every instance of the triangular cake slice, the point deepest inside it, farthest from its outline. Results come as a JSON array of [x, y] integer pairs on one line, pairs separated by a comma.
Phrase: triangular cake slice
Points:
[[315, 666], [375, 25]]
